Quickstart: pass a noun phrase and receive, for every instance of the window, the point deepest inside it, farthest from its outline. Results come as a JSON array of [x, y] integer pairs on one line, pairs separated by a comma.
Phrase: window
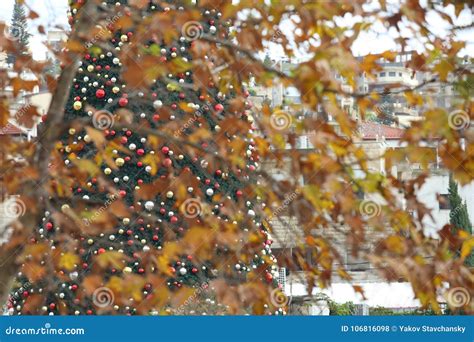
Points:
[[443, 201], [392, 74], [400, 74], [382, 74]]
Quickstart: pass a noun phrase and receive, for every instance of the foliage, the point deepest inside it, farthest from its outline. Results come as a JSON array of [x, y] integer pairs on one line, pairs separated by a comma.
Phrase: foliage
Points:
[[90, 228], [344, 309]]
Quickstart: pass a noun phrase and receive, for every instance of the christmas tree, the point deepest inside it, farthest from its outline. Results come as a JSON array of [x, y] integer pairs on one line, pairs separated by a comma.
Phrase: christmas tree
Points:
[[99, 93], [384, 111], [18, 30], [459, 216]]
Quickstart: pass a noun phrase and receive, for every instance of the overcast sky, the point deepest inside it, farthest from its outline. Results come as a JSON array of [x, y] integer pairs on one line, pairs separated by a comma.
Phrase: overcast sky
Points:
[[53, 12]]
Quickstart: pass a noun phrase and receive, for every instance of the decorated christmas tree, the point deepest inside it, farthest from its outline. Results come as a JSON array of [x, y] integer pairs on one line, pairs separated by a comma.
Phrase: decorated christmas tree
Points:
[[154, 219]]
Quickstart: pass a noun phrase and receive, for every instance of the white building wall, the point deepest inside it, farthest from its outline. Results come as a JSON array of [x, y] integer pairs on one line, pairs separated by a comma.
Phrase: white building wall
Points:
[[435, 185]]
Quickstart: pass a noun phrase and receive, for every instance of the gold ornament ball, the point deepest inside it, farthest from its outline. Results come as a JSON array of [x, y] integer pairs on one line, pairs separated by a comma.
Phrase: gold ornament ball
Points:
[[119, 161], [77, 105]]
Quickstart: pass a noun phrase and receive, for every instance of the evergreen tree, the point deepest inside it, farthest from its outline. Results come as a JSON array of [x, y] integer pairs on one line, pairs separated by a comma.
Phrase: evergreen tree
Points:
[[19, 29], [459, 216], [99, 84], [384, 111]]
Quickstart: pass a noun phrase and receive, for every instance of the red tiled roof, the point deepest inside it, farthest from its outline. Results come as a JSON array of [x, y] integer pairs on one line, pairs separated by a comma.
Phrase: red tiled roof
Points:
[[373, 130], [10, 129]]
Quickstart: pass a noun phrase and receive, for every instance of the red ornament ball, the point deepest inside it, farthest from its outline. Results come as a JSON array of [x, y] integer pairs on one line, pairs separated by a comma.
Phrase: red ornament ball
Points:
[[167, 162], [219, 107], [123, 102], [100, 93]]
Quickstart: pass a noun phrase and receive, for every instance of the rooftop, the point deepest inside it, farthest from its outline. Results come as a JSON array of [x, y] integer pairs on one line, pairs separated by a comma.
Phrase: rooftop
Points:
[[11, 129], [374, 131]]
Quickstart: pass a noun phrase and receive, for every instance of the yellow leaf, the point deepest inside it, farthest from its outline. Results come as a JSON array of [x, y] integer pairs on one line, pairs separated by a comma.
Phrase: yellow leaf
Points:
[[113, 259], [467, 247], [68, 261], [87, 165]]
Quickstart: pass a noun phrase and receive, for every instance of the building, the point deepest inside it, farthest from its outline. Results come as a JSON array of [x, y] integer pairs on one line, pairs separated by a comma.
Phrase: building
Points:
[[393, 76], [375, 139]]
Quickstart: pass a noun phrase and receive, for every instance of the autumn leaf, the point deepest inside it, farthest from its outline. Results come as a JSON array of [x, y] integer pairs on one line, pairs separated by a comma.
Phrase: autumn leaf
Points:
[[111, 259], [68, 261]]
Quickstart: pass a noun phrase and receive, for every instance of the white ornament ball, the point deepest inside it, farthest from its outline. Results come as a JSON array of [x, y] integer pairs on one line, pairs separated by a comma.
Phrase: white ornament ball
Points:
[[149, 205]]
